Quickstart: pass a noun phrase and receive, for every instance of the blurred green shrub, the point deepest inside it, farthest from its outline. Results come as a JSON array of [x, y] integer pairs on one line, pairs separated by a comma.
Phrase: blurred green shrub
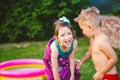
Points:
[[33, 19]]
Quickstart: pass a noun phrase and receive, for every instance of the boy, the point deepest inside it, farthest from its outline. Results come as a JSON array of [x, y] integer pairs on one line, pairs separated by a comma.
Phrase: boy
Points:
[[100, 49]]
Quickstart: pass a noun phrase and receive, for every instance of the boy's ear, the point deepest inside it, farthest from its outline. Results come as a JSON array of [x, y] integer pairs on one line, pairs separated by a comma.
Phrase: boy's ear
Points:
[[90, 27]]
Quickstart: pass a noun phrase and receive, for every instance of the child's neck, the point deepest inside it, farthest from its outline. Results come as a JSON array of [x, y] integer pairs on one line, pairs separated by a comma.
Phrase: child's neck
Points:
[[96, 35], [64, 48]]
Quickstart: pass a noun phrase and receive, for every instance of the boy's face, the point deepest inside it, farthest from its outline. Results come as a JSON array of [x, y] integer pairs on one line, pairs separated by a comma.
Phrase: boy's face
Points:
[[86, 28], [65, 36]]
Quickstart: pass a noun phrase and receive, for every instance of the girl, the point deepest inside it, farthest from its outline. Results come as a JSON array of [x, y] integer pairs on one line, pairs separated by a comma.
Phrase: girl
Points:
[[60, 52]]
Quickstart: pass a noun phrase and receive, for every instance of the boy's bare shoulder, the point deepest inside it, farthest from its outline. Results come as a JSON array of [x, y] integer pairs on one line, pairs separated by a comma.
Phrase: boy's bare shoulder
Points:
[[102, 40]]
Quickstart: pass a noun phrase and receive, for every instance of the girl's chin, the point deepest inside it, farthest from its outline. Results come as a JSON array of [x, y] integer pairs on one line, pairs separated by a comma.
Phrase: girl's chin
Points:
[[67, 45]]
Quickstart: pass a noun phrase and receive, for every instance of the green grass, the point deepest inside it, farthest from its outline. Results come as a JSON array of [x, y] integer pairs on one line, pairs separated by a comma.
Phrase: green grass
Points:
[[12, 51], [22, 50]]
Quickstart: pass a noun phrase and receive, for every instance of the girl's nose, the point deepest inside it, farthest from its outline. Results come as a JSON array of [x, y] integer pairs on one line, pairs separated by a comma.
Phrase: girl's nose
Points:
[[66, 37]]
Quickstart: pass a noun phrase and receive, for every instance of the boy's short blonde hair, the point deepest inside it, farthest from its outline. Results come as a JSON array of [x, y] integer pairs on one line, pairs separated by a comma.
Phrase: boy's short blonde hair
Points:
[[90, 15], [110, 25]]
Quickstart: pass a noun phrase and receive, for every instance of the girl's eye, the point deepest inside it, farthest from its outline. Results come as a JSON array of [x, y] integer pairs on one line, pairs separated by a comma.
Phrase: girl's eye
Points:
[[69, 33], [62, 35]]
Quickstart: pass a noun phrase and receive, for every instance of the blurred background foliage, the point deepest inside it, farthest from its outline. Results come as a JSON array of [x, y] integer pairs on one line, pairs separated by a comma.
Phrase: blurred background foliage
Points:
[[27, 20]]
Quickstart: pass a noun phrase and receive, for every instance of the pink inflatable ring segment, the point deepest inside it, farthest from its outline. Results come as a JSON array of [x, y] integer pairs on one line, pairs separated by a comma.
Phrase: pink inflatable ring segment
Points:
[[24, 73]]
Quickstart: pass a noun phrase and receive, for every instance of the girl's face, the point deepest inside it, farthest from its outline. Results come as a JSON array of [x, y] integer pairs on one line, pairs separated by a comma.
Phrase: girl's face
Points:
[[65, 37]]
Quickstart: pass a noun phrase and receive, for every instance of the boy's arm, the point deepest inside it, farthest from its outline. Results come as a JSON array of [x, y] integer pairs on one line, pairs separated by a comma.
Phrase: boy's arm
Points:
[[83, 59], [110, 54]]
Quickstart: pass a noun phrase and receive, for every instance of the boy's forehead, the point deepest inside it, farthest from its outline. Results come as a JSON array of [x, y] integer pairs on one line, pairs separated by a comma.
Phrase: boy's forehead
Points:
[[82, 15], [77, 19]]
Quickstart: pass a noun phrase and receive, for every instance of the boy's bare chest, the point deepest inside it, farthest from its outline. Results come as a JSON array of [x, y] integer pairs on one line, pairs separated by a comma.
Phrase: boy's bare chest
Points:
[[96, 53], [94, 48]]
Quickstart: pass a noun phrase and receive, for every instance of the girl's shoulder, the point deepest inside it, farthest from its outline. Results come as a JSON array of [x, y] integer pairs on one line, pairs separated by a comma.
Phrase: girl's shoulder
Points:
[[75, 43], [54, 49], [53, 45]]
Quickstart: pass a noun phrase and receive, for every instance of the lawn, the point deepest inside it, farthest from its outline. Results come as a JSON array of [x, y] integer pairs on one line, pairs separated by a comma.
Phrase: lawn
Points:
[[10, 51]]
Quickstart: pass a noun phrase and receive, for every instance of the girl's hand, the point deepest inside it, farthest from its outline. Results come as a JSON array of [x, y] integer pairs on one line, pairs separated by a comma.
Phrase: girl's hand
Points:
[[98, 76], [78, 63], [72, 78]]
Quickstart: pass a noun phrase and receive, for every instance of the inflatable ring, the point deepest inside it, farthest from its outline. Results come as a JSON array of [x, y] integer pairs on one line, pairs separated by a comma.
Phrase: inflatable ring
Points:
[[22, 69]]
